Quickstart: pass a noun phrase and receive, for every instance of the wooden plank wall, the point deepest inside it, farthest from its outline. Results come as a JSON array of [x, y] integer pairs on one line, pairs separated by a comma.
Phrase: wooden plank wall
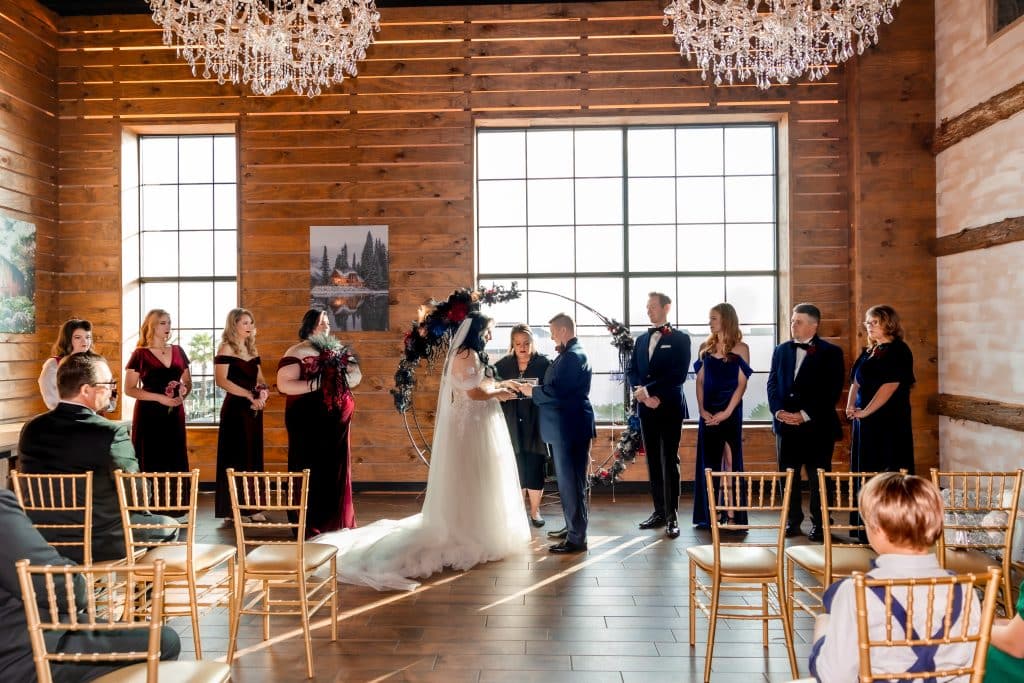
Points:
[[395, 146], [28, 186]]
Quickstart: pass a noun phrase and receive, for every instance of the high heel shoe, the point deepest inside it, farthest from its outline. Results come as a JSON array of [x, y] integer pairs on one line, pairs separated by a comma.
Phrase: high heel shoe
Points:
[[537, 521]]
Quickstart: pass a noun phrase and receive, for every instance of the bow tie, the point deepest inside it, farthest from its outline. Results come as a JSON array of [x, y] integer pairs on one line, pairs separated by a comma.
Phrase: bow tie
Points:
[[798, 345], [664, 329]]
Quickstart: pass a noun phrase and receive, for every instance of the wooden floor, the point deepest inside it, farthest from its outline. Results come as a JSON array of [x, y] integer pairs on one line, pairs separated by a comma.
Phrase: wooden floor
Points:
[[617, 613]]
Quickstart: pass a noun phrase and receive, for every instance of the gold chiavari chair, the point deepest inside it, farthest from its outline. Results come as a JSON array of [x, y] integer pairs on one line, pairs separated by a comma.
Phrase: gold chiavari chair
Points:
[[42, 496], [63, 599], [919, 615], [753, 565], [282, 564], [834, 558], [193, 573], [980, 518]]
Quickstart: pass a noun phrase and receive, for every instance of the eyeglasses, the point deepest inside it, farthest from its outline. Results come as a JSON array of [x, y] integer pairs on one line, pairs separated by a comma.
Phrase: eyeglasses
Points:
[[110, 384], [872, 323]]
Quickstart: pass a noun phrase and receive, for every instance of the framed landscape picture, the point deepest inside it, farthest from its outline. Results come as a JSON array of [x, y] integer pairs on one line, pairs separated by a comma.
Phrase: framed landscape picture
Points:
[[348, 275], [17, 276]]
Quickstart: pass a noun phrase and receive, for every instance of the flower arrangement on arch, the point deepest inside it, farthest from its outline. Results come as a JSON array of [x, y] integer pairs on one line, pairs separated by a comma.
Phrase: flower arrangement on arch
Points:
[[328, 370], [630, 445]]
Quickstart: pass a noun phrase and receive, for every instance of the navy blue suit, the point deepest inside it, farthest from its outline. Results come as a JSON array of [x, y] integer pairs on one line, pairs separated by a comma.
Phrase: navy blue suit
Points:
[[814, 390], [663, 374], [567, 424]]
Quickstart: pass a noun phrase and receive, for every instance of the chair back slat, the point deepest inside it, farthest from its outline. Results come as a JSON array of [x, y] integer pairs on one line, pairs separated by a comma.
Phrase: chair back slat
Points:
[[280, 492], [40, 495], [174, 494], [764, 493], [981, 510]]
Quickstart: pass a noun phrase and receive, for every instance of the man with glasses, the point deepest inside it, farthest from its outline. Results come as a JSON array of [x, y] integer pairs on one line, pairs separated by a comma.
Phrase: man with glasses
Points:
[[73, 438]]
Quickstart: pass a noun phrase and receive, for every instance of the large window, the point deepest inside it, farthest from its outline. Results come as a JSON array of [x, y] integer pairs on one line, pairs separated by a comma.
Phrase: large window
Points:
[[605, 215], [186, 245]]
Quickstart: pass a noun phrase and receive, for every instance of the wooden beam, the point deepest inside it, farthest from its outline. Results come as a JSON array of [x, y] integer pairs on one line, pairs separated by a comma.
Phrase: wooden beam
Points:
[[978, 118], [985, 411], [1003, 232]]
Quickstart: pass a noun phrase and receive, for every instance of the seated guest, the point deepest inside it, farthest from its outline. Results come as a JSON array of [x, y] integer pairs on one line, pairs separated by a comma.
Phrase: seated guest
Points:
[[22, 541], [73, 438], [75, 336], [903, 517], [1006, 653]]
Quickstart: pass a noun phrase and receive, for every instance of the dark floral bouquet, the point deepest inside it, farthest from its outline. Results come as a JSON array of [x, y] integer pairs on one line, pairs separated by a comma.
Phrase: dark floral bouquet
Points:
[[429, 336], [260, 392], [327, 370], [172, 390], [630, 445]]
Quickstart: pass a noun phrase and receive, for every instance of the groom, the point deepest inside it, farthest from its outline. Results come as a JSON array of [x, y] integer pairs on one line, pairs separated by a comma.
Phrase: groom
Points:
[[567, 424]]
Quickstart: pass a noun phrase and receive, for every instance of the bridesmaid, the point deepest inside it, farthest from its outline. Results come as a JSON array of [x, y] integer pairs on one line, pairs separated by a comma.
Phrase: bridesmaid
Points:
[[75, 337], [318, 414], [722, 370], [879, 399], [240, 436], [158, 378]]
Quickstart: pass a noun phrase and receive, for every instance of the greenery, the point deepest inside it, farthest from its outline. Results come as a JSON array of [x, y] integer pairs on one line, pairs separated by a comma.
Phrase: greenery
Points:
[[760, 412], [17, 315], [202, 404]]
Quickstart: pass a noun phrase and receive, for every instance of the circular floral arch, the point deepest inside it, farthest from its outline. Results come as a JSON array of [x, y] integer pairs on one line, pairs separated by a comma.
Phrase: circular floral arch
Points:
[[428, 339]]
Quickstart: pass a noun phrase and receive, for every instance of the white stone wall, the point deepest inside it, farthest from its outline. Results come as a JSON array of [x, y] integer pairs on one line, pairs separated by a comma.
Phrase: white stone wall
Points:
[[979, 181]]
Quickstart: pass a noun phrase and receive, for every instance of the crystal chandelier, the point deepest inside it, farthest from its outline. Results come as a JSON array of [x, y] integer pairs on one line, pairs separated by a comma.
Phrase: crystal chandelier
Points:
[[774, 40], [305, 45]]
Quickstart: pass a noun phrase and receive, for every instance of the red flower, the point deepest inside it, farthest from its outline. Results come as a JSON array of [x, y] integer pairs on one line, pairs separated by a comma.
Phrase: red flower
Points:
[[458, 312], [812, 349], [879, 351], [665, 330]]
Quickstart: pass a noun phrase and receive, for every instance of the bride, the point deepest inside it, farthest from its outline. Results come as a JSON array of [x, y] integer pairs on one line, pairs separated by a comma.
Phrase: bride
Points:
[[472, 512]]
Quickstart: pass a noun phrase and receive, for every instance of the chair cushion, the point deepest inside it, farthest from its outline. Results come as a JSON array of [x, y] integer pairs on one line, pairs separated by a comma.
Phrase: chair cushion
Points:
[[179, 672], [969, 561], [845, 561], [280, 558], [736, 561], [204, 556]]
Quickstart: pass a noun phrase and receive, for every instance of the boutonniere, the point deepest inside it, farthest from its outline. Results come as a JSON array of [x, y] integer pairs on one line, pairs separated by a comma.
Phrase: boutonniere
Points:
[[879, 351], [812, 349], [665, 330]]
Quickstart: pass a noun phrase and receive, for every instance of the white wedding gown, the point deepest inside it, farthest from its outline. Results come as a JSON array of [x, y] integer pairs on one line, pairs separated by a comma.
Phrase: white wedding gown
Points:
[[473, 511]]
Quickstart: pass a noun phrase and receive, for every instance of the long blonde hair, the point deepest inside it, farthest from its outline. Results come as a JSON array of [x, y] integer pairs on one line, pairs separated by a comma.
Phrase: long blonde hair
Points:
[[228, 335], [730, 334], [149, 324]]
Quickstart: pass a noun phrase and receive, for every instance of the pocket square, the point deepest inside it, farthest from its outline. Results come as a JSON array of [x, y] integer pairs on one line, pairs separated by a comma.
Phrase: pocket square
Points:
[[665, 346]]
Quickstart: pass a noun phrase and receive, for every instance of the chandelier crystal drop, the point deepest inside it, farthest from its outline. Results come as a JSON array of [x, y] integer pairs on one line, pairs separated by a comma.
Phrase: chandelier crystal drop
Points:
[[272, 45], [774, 40]]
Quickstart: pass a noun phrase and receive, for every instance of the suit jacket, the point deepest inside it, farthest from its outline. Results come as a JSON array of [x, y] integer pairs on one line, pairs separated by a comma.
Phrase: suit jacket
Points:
[[21, 540], [71, 439], [663, 372], [564, 398], [815, 389]]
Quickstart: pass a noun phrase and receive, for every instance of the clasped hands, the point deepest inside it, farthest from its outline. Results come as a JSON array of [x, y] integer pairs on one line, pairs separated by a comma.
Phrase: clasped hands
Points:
[[641, 395], [713, 419], [786, 417]]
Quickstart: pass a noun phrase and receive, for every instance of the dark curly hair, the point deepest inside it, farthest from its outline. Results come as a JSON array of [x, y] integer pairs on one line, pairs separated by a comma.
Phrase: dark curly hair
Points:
[[309, 322], [475, 341]]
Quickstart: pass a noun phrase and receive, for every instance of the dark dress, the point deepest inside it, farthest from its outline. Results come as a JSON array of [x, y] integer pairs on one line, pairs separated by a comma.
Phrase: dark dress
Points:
[[884, 441], [522, 419], [158, 432], [721, 377], [318, 440], [240, 436]]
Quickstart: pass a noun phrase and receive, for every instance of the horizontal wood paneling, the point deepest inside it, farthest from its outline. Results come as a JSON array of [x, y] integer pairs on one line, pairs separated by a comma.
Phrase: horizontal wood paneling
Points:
[[28, 186]]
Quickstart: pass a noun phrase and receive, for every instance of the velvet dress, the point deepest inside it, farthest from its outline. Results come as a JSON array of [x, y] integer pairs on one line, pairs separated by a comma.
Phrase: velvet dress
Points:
[[721, 377], [158, 432], [884, 441], [522, 418], [240, 436]]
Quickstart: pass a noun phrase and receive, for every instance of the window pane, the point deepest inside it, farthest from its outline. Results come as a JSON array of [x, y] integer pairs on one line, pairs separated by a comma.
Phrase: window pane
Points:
[[196, 253], [652, 247], [761, 340], [501, 154], [749, 150], [502, 250], [225, 251], [598, 152], [225, 298], [604, 294], [160, 207], [606, 394], [603, 357], [225, 159], [159, 254], [652, 200], [651, 151], [755, 400], [197, 304], [753, 299], [750, 199], [750, 246], [158, 160], [700, 200], [699, 151], [696, 297], [640, 288], [501, 202], [196, 158], [510, 312], [550, 202], [161, 295], [549, 154], [225, 207], [551, 249], [196, 206], [599, 201], [598, 248], [701, 247], [543, 307]]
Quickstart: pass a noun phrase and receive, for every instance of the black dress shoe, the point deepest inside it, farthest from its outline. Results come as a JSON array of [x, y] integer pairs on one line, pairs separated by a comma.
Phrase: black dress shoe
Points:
[[537, 521], [672, 529], [561, 533], [655, 521], [816, 535], [567, 547], [792, 530]]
